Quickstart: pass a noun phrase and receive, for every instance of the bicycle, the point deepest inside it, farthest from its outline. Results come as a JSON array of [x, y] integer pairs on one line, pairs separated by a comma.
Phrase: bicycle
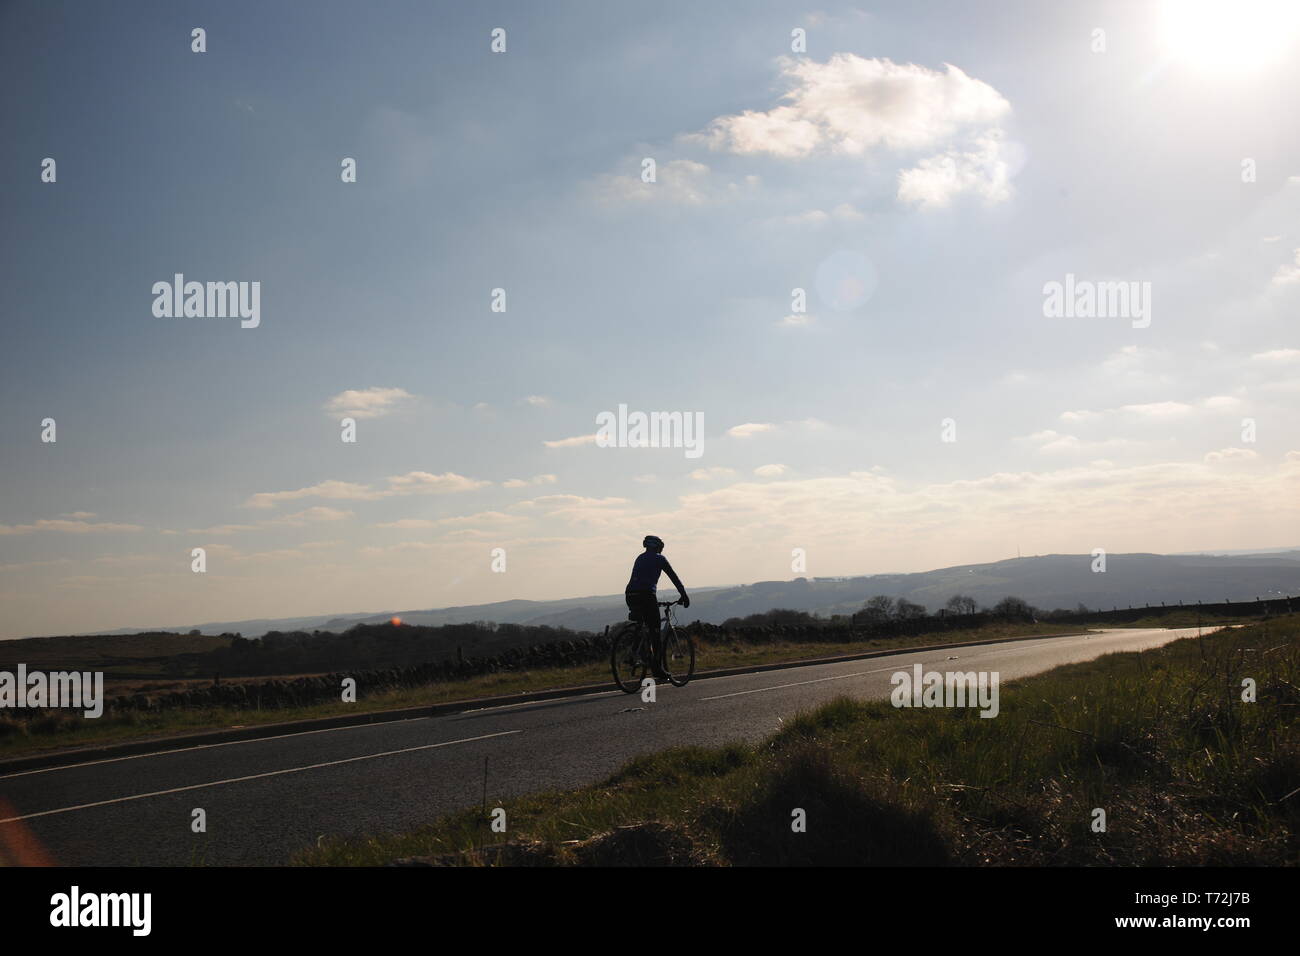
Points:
[[632, 650]]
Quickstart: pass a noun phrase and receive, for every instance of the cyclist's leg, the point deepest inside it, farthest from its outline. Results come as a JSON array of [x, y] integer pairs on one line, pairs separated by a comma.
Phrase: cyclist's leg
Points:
[[641, 607]]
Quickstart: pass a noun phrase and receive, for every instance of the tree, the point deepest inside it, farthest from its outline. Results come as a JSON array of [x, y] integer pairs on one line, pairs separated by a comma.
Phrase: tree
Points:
[[878, 608], [961, 604], [906, 610], [1014, 609]]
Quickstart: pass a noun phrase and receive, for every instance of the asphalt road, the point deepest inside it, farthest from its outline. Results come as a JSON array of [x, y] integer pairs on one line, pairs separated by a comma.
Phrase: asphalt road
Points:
[[265, 799]]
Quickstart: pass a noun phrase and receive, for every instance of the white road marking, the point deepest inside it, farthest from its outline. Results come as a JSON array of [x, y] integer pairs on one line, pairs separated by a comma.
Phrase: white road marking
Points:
[[182, 750], [254, 776], [527, 703], [759, 690]]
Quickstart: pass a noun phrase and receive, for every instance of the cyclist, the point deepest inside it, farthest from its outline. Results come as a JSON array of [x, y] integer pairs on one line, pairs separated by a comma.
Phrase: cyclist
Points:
[[640, 592]]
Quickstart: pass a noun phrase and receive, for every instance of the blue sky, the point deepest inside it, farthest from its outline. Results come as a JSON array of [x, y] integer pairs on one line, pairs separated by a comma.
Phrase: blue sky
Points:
[[957, 156]]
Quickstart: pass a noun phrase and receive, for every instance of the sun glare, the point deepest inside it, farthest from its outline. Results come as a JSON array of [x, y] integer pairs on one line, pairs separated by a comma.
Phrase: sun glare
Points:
[[1230, 35]]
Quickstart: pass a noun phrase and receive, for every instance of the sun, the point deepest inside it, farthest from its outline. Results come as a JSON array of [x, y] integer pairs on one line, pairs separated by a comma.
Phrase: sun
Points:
[[1236, 36]]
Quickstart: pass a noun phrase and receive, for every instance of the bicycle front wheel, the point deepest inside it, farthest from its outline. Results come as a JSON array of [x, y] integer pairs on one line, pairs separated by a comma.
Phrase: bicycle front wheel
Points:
[[629, 657], [679, 656]]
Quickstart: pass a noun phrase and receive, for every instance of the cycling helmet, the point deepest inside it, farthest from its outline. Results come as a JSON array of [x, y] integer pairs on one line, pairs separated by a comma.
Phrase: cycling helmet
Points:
[[652, 541]]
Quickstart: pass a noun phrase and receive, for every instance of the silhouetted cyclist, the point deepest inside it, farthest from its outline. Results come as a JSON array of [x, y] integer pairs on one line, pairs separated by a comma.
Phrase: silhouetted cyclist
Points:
[[641, 589]]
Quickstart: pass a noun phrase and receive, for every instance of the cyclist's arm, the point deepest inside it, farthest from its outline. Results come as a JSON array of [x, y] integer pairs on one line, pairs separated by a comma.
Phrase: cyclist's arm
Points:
[[672, 576]]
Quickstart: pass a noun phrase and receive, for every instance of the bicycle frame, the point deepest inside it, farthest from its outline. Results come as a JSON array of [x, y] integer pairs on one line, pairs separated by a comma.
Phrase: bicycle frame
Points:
[[665, 619]]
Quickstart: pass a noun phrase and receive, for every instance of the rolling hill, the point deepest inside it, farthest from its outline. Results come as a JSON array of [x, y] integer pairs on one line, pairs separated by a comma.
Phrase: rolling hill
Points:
[[1046, 581]]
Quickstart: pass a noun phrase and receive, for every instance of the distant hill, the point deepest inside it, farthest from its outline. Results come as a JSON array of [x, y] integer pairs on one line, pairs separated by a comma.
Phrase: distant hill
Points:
[[1046, 581]]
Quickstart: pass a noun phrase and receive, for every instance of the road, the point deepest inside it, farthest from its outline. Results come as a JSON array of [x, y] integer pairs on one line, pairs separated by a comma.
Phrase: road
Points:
[[265, 799]]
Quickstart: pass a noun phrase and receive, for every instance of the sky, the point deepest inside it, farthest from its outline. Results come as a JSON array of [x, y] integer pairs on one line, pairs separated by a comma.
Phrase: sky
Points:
[[842, 265]]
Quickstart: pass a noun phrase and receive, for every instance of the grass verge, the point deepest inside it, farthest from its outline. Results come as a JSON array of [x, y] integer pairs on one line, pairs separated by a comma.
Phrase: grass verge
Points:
[[1187, 773]]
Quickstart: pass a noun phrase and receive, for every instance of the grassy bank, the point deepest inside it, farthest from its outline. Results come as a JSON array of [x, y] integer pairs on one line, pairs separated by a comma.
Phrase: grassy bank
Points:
[[1186, 772], [20, 737], [1180, 618]]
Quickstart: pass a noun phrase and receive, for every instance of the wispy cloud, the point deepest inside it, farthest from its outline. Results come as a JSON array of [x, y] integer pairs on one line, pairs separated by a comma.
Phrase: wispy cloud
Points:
[[67, 526], [573, 442], [526, 482], [1288, 274], [749, 429], [411, 483], [371, 402]]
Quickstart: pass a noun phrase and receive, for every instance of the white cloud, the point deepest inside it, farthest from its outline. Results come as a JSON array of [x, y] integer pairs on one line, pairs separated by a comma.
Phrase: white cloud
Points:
[[813, 217], [850, 105], [537, 401], [1231, 454], [312, 515], [982, 170], [425, 483], [569, 501], [708, 474], [1127, 359], [411, 483], [524, 483], [406, 524], [367, 402], [575, 509], [770, 471], [496, 518], [1150, 411], [345, 490], [67, 527], [1052, 442], [1288, 274], [573, 442], [224, 529], [749, 429], [29, 565], [682, 182], [481, 518], [844, 212], [1277, 355]]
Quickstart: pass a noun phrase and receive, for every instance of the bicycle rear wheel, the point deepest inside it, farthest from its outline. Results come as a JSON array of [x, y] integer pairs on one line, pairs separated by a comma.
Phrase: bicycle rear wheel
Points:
[[679, 656], [629, 657]]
